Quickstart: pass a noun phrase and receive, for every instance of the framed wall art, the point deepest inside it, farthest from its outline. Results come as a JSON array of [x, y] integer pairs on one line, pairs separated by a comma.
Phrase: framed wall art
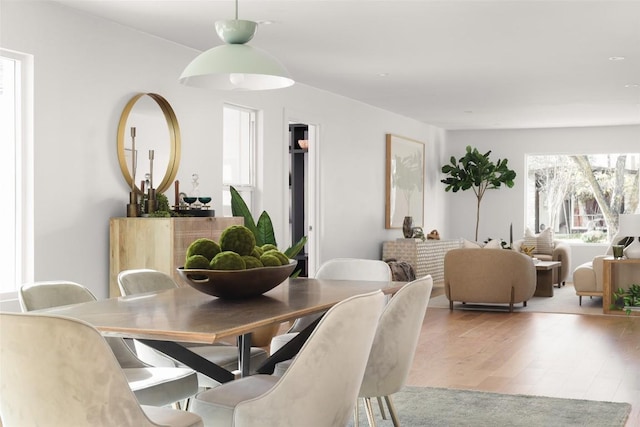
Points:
[[404, 181]]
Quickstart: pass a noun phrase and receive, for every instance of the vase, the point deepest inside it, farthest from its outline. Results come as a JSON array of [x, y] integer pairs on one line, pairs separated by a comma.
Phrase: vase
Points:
[[407, 227]]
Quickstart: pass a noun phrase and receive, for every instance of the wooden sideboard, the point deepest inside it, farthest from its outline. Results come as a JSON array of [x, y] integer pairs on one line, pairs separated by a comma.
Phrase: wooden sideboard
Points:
[[157, 243], [426, 257], [610, 282]]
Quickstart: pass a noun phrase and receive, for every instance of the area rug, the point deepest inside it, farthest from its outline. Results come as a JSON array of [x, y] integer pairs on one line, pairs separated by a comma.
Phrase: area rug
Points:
[[564, 300], [426, 406]]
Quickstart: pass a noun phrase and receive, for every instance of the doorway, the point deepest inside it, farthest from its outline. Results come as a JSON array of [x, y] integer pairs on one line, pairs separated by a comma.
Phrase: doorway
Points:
[[303, 147]]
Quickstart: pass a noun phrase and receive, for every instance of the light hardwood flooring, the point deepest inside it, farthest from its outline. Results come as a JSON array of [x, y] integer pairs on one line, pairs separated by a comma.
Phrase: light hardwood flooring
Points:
[[559, 355]]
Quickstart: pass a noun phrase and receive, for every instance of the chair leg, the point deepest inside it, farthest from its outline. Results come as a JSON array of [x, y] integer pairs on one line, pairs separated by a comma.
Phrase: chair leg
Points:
[[381, 405], [392, 411], [369, 409], [580, 299]]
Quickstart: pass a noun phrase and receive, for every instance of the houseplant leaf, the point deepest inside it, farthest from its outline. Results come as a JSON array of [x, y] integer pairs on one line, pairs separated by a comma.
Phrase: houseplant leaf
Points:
[[264, 230], [240, 208]]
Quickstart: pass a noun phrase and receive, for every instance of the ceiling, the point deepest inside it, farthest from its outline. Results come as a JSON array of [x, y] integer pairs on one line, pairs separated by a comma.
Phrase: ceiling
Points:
[[453, 64]]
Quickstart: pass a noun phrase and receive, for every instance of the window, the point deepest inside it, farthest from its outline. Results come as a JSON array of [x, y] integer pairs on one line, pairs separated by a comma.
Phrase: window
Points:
[[16, 174], [238, 155], [580, 196]]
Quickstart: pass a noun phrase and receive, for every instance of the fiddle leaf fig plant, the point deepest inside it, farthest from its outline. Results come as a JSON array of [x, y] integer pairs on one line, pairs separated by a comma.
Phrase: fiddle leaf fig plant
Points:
[[477, 172]]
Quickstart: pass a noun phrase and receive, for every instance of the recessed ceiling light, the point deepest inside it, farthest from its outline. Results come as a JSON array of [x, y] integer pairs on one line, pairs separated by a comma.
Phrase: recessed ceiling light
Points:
[[265, 22], [383, 74], [617, 58], [632, 85], [468, 111]]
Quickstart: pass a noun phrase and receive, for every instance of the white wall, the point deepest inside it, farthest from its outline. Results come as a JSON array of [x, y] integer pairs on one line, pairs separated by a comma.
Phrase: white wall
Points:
[[86, 69], [504, 206]]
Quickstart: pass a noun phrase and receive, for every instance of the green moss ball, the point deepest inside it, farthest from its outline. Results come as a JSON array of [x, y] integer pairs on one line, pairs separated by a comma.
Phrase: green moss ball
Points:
[[270, 260], [268, 247], [257, 252], [227, 260], [284, 260], [237, 238], [197, 261], [252, 262], [205, 247]]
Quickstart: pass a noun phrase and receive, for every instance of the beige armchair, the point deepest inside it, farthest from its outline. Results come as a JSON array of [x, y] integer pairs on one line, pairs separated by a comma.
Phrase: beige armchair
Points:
[[561, 252], [588, 277]]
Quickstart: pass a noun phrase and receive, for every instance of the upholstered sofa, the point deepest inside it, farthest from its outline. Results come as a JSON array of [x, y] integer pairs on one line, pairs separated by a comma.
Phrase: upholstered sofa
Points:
[[559, 251], [488, 276]]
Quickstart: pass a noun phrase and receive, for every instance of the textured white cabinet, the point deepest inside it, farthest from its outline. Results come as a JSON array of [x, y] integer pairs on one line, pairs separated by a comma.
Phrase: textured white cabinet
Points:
[[425, 257]]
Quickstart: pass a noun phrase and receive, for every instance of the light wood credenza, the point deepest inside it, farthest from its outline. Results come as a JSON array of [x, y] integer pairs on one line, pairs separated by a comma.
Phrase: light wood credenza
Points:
[[157, 243], [610, 281], [426, 257]]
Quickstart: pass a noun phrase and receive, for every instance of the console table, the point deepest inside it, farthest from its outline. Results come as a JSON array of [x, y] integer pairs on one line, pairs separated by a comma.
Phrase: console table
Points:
[[609, 284], [158, 243], [426, 257]]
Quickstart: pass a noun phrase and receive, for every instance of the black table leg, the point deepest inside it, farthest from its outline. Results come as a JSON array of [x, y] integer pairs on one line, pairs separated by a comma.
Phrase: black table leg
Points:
[[288, 350], [191, 359], [244, 354]]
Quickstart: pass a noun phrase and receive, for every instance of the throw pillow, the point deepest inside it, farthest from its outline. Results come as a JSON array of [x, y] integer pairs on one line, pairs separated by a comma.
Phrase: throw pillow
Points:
[[493, 244], [543, 242], [469, 244]]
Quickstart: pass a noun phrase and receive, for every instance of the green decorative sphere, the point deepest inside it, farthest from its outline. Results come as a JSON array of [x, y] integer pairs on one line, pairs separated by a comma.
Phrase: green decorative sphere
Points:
[[205, 247], [227, 260], [199, 262], [252, 262], [257, 252], [268, 247], [237, 238], [270, 260], [284, 260]]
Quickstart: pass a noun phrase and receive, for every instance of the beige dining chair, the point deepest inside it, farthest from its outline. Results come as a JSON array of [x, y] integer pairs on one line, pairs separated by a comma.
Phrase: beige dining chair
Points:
[[394, 347], [137, 281], [320, 387], [58, 371], [157, 386], [334, 269]]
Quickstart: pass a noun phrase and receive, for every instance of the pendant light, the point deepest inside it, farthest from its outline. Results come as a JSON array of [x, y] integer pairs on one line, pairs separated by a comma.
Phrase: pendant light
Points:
[[235, 65]]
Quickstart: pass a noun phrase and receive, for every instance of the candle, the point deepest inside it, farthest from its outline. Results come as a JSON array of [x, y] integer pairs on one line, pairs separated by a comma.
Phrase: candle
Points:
[[511, 234]]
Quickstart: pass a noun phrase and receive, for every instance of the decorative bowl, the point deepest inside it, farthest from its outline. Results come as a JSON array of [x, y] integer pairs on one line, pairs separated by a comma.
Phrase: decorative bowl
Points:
[[237, 284], [190, 199]]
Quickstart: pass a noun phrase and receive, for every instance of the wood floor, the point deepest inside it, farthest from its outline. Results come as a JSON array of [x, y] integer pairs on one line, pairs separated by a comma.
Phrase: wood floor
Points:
[[558, 355]]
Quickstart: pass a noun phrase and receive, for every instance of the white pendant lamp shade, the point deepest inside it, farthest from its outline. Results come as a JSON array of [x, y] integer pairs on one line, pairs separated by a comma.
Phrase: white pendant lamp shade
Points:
[[235, 65], [629, 226]]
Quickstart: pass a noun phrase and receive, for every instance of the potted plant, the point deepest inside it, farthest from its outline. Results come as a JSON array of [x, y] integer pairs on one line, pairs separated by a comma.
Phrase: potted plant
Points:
[[627, 299], [474, 170]]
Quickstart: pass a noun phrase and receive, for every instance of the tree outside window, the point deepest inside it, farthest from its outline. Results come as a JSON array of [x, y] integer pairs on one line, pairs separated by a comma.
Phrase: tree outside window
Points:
[[580, 196]]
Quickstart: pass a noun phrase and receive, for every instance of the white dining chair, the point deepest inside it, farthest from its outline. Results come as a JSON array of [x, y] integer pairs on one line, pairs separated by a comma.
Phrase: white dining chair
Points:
[[137, 281], [334, 269], [320, 387], [394, 346], [58, 371], [157, 386]]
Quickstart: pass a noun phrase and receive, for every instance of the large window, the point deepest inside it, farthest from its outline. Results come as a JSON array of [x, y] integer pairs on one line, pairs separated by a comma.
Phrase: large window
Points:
[[580, 196], [238, 155], [16, 217]]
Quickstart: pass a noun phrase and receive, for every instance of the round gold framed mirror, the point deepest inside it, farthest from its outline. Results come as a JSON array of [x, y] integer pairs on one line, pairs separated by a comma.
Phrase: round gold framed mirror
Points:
[[149, 142]]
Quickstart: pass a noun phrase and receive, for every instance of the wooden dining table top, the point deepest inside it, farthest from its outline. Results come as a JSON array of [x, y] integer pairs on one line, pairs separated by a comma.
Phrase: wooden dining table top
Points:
[[187, 315]]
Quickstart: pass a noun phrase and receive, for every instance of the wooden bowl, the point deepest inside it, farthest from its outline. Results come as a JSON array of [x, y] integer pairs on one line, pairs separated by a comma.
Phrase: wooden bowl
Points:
[[237, 284]]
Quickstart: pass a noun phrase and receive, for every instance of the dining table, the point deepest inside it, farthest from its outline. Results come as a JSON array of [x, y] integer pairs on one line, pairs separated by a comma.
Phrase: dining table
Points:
[[167, 320]]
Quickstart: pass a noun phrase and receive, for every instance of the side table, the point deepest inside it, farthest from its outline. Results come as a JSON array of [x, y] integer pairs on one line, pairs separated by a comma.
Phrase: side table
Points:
[[610, 283], [546, 276]]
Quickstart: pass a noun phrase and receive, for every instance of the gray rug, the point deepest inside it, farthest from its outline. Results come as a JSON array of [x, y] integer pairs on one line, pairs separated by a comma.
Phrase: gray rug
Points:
[[564, 300], [425, 406]]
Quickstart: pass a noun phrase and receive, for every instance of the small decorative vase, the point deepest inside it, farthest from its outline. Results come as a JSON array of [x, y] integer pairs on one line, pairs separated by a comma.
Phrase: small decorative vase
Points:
[[407, 227]]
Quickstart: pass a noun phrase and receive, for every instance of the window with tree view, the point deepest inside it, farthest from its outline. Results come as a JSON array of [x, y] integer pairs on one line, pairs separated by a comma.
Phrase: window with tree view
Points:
[[580, 196]]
